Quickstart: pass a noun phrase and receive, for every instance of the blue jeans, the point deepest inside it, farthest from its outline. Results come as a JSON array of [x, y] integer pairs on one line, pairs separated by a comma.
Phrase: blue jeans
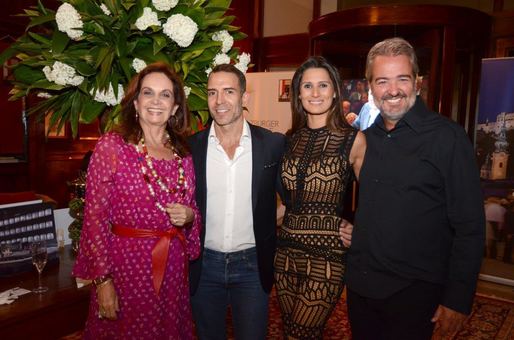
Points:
[[230, 279]]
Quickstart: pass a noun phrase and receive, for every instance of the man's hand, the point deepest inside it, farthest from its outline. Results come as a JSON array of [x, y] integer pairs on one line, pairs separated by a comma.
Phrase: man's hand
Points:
[[345, 232], [447, 321]]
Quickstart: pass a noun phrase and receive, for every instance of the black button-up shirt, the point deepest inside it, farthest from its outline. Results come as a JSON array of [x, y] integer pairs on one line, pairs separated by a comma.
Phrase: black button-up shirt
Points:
[[420, 214]]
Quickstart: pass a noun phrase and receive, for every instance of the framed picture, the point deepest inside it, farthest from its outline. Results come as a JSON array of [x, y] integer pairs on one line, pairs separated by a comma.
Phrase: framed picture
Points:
[[284, 90]]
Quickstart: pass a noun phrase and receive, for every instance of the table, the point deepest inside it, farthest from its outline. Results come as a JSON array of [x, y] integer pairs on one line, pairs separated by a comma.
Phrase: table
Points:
[[59, 312]]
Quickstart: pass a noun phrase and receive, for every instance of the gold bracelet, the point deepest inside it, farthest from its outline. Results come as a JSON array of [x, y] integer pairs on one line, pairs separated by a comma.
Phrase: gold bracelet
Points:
[[103, 283], [102, 280]]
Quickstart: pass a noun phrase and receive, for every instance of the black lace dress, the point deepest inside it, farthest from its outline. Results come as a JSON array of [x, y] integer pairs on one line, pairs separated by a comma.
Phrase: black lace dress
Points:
[[310, 259]]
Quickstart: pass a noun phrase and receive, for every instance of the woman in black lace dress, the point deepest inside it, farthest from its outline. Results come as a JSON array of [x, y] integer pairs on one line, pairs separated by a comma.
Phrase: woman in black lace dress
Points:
[[322, 154]]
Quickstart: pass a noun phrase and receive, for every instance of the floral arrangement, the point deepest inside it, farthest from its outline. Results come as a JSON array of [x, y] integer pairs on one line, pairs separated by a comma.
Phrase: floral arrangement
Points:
[[79, 58]]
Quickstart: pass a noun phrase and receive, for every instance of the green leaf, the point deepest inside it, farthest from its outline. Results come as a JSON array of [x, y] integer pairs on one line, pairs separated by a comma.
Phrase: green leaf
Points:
[[239, 35], [76, 108], [105, 71], [202, 45], [126, 66], [185, 70], [31, 13], [41, 8], [159, 42], [204, 115], [218, 3], [214, 12], [197, 15], [44, 84], [27, 74], [84, 68], [195, 103], [40, 38], [127, 5], [121, 44], [40, 20], [130, 46], [228, 19], [101, 52], [91, 110], [6, 54], [59, 41], [211, 22]]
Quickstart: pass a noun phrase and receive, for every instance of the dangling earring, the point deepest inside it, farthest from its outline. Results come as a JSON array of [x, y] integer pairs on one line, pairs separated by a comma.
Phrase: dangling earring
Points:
[[137, 115]]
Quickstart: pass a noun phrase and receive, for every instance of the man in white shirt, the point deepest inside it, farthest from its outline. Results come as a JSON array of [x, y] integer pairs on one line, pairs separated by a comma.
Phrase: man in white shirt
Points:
[[236, 167], [367, 114]]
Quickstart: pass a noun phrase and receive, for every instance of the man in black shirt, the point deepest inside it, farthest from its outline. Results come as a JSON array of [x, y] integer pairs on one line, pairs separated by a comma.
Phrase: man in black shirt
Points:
[[418, 239]]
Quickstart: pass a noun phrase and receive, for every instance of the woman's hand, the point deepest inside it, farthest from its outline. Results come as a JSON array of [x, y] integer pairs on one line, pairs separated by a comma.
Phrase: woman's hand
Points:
[[345, 232], [107, 301], [179, 214]]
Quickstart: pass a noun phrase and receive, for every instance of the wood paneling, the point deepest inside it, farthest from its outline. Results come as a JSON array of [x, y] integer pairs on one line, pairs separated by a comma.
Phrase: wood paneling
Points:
[[283, 51], [502, 42]]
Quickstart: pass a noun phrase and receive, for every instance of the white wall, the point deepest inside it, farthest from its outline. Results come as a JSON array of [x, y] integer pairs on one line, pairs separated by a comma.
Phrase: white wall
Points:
[[264, 107], [283, 17]]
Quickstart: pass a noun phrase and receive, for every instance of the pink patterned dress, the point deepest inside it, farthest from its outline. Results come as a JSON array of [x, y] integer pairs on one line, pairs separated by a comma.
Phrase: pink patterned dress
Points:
[[117, 193]]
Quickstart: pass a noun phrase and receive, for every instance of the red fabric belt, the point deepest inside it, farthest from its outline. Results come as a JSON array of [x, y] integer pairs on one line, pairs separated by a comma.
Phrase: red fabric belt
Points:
[[159, 251]]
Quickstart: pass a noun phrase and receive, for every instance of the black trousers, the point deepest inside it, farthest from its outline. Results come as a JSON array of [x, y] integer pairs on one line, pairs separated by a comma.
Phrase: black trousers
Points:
[[403, 315]]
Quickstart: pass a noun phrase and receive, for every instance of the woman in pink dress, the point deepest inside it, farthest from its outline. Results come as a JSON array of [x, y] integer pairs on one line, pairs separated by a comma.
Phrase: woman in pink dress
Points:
[[141, 222]]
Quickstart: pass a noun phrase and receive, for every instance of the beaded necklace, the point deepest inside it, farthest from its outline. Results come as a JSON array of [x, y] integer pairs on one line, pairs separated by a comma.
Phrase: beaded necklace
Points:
[[150, 174]]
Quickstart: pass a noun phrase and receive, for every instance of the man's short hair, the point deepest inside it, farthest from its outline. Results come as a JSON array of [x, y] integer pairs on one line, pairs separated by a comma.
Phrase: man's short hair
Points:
[[392, 47], [229, 68]]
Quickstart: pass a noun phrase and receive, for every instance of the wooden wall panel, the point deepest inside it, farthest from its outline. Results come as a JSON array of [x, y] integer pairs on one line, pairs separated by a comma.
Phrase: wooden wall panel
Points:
[[283, 51]]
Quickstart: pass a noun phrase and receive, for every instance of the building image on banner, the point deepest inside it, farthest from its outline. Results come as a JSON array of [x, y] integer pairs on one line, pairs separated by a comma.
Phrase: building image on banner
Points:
[[494, 144]]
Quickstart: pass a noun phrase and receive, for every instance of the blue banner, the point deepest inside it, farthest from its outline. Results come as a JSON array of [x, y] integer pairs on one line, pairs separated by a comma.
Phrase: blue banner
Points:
[[495, 157]]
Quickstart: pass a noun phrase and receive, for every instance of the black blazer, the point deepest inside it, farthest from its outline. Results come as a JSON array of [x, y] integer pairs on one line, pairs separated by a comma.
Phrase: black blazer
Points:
[[267, 149]]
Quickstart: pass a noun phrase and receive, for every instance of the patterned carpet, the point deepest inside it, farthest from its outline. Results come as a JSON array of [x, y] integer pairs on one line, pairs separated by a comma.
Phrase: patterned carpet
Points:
[[490, 319]]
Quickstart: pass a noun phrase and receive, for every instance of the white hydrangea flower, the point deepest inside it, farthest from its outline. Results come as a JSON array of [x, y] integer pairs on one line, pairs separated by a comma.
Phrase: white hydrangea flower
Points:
[[181, 29], [45, 95], [187, 91], [105, 9], [164, 5], [243, 61], [244, 58], [69, 21], [138, 64], [221, 58], [108, 97], [149, 18], [241, 67], [226, 39], [62, 74], [208, 71]]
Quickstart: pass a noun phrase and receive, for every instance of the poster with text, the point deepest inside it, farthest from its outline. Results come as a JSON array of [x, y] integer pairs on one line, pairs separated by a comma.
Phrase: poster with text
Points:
[[494, 145]]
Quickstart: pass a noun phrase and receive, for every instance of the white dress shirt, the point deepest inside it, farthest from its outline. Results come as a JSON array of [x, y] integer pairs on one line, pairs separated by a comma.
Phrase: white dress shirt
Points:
[[229, 215]]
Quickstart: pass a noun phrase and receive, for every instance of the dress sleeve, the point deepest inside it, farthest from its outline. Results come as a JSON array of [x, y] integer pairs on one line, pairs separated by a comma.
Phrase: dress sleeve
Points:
[[95, 240], [466, 215], [193, 232]]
